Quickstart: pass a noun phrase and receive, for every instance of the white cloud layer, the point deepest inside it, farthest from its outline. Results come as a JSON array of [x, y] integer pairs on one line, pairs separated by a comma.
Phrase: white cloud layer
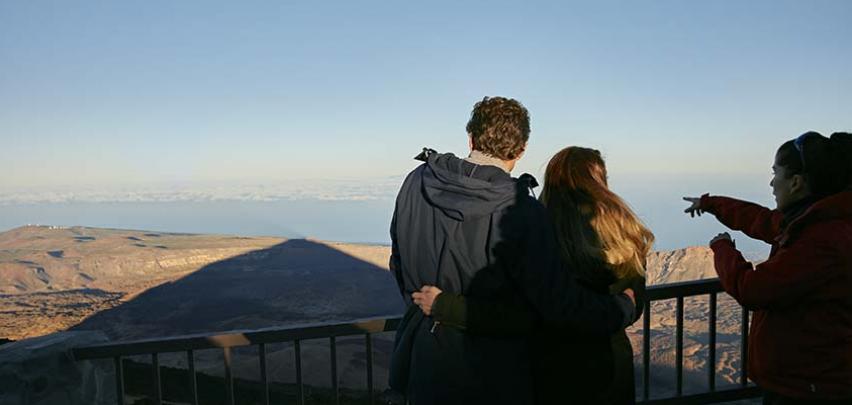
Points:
[[324, 190]]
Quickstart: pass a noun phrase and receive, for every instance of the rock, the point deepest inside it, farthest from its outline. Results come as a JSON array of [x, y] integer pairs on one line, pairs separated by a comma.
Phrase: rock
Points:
[[42, 371]]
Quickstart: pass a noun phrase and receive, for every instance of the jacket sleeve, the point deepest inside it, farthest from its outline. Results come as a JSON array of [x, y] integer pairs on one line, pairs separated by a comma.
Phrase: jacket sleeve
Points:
[[395, 263], [781, 281], [551, 289], [637, 283], [756, 221], [483, 316]]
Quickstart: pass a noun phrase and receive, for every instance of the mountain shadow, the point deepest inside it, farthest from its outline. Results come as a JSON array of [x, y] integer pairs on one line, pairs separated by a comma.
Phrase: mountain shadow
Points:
[[295, 282]]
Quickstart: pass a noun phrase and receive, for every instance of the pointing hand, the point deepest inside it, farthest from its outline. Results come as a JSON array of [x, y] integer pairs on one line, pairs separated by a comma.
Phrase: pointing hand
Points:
[[695, 208]]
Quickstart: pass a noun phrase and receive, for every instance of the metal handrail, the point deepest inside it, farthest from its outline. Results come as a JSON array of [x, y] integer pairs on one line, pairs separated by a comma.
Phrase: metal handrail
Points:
[[366, 327]]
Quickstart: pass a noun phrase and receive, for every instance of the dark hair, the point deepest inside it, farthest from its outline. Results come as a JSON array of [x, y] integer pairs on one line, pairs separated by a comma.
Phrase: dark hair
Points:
[[824, 162], [841, 145], [499, 127]]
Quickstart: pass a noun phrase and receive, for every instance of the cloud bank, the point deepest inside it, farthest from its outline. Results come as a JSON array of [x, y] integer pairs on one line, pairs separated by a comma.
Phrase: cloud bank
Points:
[[323, 190]]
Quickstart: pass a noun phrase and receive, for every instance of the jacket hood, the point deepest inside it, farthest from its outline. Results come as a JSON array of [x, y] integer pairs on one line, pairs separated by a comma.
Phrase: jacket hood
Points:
[[834, 207], [464, 190]]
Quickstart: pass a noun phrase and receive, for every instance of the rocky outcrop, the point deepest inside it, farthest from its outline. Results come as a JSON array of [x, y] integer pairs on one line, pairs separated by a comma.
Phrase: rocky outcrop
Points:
[[672, 266]]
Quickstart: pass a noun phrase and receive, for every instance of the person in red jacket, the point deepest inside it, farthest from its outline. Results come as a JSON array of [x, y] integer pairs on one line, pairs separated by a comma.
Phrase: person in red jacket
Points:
[[800, 342]]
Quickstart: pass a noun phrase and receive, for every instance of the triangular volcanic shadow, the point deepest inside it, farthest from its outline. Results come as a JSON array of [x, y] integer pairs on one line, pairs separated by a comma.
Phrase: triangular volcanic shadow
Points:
[[295, 282]]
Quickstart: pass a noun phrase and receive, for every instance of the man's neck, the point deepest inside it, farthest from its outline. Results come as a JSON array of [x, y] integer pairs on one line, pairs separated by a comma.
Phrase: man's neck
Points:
[[481, 158]]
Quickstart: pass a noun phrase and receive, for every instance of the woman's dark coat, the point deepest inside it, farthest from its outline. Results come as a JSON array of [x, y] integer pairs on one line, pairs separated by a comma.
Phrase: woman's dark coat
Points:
[[569, 366]]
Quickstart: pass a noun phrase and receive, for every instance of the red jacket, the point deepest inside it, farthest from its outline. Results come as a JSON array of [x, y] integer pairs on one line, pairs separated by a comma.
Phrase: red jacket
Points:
[[800, 344]]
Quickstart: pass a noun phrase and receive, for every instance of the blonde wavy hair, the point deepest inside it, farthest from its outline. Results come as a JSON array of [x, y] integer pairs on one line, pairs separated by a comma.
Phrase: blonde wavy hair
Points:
[[596, 229]]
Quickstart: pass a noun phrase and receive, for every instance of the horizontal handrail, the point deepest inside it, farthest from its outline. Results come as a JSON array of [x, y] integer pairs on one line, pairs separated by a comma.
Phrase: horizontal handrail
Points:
[[237, 338], [249, 337], [683, 289]]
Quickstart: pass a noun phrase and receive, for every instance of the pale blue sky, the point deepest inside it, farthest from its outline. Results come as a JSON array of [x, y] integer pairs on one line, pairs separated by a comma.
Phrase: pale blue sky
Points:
[[118, 93]]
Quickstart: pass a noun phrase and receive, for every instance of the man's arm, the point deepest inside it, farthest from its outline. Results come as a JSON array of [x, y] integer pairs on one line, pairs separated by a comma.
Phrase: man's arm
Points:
[[480, 315]]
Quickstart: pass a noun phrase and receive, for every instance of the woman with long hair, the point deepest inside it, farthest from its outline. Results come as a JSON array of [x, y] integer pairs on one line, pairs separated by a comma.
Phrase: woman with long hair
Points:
[[800, 343], [604, 244]]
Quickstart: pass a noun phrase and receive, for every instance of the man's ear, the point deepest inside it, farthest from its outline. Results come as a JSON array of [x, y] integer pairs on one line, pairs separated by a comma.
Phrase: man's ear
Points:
[[524, 150], [470, 142]]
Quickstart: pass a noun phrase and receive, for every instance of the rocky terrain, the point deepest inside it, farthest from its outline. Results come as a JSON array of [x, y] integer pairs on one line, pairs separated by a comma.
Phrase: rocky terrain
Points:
[[137, 284]]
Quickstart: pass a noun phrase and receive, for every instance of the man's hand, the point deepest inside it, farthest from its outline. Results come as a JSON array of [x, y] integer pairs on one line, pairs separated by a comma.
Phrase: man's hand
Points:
[[695, 208], [722, 236], [425, 298]]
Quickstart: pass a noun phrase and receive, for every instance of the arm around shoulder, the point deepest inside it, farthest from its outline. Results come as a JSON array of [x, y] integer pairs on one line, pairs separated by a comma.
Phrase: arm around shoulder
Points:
[[483, 316]]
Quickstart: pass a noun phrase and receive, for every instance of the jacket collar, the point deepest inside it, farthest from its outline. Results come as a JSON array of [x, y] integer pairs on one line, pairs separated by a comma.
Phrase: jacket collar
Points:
[[836, 206]]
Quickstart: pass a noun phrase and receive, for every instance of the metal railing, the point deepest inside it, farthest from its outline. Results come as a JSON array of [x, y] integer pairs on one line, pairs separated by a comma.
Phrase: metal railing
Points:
[[263, 337], [679, 291]]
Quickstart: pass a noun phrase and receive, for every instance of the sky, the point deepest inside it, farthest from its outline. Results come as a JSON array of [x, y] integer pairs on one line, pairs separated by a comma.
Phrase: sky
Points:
[[126, 98], [102, 94]]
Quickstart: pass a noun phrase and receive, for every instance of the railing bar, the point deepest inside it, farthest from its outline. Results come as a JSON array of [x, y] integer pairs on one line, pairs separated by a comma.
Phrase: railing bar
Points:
[[158, 387], [229, 377], [297, 349], [679, 346], [255, 337], [193, 379], [236, 338], [646, 351], [720, 396], [369, 343], [744, 349], [711, 349], [264, 378], [119, 380], [332, 342]]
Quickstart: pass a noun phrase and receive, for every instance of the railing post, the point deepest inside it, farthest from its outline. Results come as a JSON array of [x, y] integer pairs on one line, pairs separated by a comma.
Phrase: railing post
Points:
[[193, 380], [229, 377], [679, 345], [711, 349], [369, 343], [158, 388], [744, 349], [119, 380], [646, 351], [264, 378], [332, 342], [297, 349]]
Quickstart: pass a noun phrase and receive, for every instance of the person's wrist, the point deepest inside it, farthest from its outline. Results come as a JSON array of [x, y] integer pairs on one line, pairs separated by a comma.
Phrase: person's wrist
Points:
[[439, 306], [721, 244], [704, 201]]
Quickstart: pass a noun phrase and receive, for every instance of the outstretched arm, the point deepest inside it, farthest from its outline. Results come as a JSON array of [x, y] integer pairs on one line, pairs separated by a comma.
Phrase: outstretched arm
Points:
[[756, 221]]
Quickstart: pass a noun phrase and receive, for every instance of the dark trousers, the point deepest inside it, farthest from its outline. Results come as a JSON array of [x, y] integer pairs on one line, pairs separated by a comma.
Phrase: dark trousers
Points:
[[771, 398]]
